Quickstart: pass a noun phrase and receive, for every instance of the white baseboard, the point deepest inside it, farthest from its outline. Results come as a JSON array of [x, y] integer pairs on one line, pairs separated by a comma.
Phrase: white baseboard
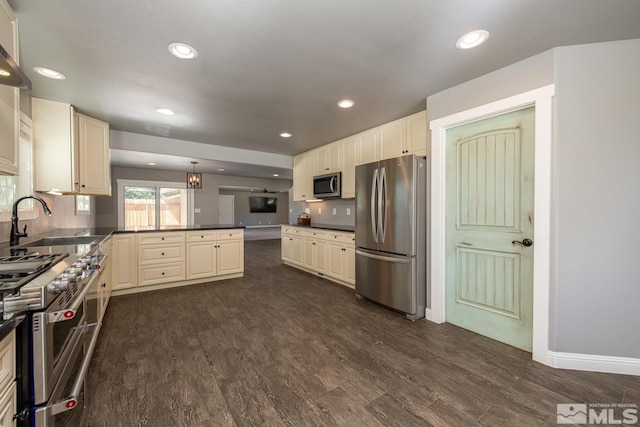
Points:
[[595, 363], [428, 314], [262, 226]]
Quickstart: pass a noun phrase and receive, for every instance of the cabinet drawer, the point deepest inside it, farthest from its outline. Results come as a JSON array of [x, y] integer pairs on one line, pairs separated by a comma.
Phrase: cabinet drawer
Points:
[[348, 238], [202, 236], [230, 234], [292, 230], [160, 253], [160, 238], [314, 234], [161, 273]]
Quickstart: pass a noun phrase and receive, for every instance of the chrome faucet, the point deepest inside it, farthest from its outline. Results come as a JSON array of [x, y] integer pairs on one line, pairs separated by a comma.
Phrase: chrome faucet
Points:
[[15, 234]]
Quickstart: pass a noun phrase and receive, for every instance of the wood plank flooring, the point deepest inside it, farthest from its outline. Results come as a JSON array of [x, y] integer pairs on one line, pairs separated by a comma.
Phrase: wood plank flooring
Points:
[[282, 347]]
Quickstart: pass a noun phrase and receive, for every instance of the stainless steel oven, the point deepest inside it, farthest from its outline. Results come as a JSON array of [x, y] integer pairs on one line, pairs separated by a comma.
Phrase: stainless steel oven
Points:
[[63, 344]]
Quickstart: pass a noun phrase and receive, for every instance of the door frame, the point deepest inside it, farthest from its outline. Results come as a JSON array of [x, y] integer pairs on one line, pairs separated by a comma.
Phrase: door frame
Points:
[[541, 99]]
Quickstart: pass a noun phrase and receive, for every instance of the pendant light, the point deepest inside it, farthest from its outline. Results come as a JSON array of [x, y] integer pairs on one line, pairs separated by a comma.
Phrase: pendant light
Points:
[[194, 180]]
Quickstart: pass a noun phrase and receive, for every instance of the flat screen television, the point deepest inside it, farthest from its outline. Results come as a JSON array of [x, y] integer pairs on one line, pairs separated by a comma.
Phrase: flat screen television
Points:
[[262, 204]]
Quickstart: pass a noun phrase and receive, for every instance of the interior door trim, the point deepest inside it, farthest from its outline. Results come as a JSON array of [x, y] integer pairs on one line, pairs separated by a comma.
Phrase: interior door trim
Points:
[[541, 99]]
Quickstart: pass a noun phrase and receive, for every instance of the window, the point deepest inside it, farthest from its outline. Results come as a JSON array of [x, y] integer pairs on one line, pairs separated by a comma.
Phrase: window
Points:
[[144, 205], [83, 205], [14, 187]]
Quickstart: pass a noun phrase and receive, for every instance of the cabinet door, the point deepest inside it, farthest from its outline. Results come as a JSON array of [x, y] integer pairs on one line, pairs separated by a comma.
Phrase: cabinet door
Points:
[[336, 260], [417, 133], [286, 245], [350, 264], [393, 139], [297, 247], [201, 260], [349, 168], [9, 98], [93, 156], [310, 250], [125, 261], [8, 406], [322, 256], [230, 255], [329, 158], [367, 147], [303, 169]]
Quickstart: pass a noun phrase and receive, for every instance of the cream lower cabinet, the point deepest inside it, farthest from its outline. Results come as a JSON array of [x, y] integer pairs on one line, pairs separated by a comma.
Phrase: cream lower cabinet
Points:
[[7, 380], [214, 253], [315, 251], [330, 254], [292, 245], [161, 257], [124, 263]]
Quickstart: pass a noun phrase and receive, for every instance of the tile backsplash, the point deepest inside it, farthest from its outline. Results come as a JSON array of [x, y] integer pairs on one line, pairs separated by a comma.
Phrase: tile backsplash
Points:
[[63, 216]]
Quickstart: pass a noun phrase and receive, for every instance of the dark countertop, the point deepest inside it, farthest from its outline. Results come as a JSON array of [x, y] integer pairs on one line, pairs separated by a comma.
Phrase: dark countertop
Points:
[[187, 228], [348, 228]]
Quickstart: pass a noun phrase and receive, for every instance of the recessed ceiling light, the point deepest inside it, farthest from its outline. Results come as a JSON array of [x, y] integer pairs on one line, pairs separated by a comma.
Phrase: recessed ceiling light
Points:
[[275, 174], [472, 39], [346, 103], [48, 72], [165, 111], [220, 170], [151, 164], [182, 51], [285, 135], [4, 73]]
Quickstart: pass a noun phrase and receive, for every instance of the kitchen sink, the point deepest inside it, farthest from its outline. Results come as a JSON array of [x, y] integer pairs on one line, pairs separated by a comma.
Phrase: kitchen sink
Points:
[[63, 240]]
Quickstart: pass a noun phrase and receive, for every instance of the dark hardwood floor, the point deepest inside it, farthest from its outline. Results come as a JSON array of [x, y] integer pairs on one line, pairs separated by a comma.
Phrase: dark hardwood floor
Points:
[[282, 347]]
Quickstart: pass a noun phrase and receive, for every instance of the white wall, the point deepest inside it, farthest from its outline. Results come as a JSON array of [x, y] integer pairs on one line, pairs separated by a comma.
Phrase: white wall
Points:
[[597, 199], [594, 266]]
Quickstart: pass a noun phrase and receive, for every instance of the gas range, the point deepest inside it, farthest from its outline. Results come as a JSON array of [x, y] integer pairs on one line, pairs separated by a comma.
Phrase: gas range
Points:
[[18, 270], [34, 281]]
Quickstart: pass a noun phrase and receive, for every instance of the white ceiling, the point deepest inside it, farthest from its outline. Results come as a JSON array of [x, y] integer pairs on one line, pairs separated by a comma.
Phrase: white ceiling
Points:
[[266, 66]]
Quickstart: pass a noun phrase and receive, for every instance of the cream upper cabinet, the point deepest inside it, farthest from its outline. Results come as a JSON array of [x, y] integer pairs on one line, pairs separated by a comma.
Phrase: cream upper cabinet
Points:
[[349, 170], [93, 153], [329, 158], [71, 150], [367, 148], [303, 169], [9, 97], [393, 139], [417, 133]]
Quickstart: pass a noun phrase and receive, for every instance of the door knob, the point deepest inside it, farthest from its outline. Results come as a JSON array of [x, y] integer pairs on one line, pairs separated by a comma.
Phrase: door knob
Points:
[[525, 242]]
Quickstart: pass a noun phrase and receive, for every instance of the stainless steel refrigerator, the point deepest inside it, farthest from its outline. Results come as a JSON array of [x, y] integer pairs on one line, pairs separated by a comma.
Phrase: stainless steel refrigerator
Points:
[[391, 233]]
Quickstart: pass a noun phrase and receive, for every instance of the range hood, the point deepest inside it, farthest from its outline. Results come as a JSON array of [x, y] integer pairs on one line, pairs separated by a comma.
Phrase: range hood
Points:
[[10, 73]]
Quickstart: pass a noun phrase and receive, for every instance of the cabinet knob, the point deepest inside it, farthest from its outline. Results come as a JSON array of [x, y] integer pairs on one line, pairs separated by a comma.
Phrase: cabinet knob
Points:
[[162, 253], [162, 238], [163, 273], [202, 237]]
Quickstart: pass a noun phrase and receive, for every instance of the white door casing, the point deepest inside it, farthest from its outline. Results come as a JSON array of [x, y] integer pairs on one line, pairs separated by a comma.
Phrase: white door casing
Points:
[[541, 99]]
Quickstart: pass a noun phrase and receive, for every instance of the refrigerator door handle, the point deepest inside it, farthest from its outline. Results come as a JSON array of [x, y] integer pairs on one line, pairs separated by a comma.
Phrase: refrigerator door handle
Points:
[[383, 205], [374, 185], [384, 258]]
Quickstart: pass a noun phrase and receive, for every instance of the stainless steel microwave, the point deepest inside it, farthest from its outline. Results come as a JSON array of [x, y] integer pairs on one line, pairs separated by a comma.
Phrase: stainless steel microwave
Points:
[[327, 186]]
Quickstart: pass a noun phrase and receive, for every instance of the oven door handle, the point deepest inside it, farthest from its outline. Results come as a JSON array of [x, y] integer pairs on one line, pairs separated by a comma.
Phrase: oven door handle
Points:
[[71, 402], [70, 312]]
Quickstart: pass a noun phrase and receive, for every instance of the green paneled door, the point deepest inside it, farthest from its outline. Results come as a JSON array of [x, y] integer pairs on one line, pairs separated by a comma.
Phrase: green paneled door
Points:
[[490, 167]]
